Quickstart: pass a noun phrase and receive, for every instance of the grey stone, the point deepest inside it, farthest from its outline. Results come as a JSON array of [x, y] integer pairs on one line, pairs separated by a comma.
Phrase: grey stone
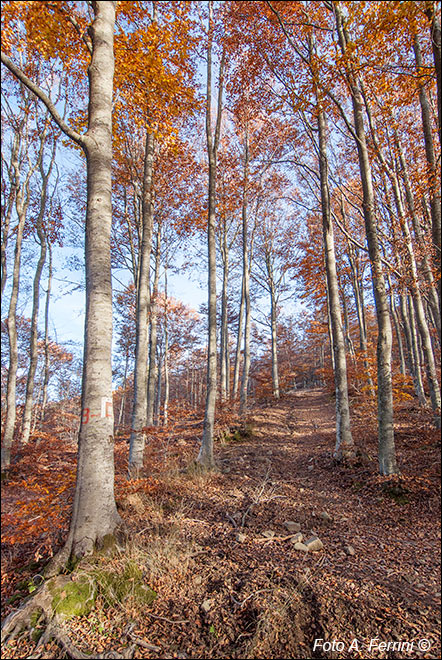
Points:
[[326, 516], [292, 526], [314, 544], [241, 537], [268, 533], [301, 547], [297, 538], [350, 550], [206, 606]]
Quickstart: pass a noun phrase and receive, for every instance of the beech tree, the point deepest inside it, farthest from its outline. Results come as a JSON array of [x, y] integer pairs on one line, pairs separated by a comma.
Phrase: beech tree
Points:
[[205, 456], [94, 513]]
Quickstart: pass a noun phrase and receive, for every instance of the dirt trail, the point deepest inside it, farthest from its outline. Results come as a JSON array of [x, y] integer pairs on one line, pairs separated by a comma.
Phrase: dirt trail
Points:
[[227, 591]]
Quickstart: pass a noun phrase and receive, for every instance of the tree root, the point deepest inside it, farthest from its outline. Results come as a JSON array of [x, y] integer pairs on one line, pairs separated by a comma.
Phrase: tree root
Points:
[[21, 620]]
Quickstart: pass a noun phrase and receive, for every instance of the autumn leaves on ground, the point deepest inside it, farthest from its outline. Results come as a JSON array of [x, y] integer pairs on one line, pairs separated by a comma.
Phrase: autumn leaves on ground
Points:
[[207, 565]]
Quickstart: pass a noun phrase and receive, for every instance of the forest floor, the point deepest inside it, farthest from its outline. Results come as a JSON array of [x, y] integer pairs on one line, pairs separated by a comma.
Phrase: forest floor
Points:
[[226, 588]]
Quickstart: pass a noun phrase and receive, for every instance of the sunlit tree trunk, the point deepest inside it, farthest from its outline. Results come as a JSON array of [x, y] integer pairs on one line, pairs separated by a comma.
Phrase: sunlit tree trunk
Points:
[[46, 340], [344, 447], [153, 364], [387, 452], [224, 371], [246, 280], [33, 348], [239, 333], [139, 409], [22, 200], [434, 174], [205, 456]]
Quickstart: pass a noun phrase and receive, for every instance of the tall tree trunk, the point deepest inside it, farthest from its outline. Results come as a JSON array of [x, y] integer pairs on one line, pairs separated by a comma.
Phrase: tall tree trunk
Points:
[[236, 369], [387, 453], [139, 408], [46, 340], [7, 211], [433, 17], [33, 348], [434, 178], [205, 456], [22, 199], [166, 353], [422, 324], [344, 447], [124, 394], [246, 281], [153, 366], [94, 513], [433, 298], [224, 372]]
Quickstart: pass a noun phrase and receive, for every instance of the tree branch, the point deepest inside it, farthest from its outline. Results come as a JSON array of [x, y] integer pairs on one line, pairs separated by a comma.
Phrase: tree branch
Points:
[[18, 73]]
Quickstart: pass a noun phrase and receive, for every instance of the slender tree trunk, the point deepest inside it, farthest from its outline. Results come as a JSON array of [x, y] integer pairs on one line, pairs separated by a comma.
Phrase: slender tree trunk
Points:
[[11, 410], [205, 457], [387, 453], [22, 199], [7, 212], [33, 348], [46, 348], [238, 343], [422, 324], [224, 327], [153, 366], [166, 350], [408, 313], [433, 17], [344, 441], [246, 281], [139, 409], [274, 333], [434, 175], [433, 298]]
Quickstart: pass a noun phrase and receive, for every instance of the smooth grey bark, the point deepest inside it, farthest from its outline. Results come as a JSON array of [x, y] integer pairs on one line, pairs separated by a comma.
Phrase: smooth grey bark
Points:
[[46, 376], [205, 456], [7, 210], [153, 362], [413, 367], [434, 174], [432, 293], [123, 396], [344, 447], [274, 340], [94, 513], [358, 293], [33, 347], [139, 409], [347, 334], [387, 453], [434, 19], [166, 352], [397, 329], [239, 333], [413, 276], [224, 348], [419, 309], [246, 281]]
